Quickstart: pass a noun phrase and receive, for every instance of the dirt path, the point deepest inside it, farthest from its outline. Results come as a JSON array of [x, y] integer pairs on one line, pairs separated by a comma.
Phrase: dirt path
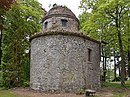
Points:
[[104, 92], [31, 93], [109, 92]]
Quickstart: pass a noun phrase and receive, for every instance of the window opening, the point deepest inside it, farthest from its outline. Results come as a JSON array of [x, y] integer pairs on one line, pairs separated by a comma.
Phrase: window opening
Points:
[[64, 22], [89, 54], [45, 25]]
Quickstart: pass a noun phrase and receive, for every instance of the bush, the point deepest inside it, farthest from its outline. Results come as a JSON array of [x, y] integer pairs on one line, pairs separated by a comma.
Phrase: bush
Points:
[[26, 84]]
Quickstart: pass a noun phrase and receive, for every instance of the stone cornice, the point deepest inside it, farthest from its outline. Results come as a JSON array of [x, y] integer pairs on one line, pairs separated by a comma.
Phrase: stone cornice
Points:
[[78, 34], [60, 15]]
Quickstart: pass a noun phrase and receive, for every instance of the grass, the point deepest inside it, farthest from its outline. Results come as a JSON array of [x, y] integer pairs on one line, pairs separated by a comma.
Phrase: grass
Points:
[[118, 88], [116, 85], [8, 93], [120, 94]]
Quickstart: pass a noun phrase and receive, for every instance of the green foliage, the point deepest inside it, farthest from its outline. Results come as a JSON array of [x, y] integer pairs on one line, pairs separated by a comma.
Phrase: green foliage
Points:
[[108, 21], [100, 23], [26, 83], [20, 22]]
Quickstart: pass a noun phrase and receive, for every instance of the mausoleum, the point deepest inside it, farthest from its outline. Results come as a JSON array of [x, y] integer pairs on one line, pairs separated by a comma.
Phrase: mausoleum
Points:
[[62, 57]]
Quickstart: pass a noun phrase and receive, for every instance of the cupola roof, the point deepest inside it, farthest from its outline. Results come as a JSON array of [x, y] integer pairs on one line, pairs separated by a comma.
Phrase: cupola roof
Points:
[[60, 11]]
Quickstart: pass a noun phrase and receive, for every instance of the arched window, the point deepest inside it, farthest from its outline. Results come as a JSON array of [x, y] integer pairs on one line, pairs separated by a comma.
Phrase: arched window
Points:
[[45, 25], [64, 22]]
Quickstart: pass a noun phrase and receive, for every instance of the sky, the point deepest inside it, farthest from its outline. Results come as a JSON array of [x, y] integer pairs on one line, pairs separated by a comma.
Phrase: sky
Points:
[[71, 4]]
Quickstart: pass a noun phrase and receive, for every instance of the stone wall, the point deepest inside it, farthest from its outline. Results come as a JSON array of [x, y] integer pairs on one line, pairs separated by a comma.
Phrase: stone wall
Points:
[[54, 23], [60, 62]]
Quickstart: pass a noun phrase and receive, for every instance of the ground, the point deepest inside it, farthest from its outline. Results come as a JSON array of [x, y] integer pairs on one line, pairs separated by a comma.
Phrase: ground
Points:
[[103, 92], [111, 89], [31, 93]]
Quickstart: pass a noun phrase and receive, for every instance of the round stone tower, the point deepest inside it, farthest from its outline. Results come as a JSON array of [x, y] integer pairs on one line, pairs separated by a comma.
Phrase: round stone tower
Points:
[[62, 58]]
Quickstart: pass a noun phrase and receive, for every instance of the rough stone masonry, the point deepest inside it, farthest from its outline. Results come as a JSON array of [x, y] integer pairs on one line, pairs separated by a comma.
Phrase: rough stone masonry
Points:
[[62, 57]]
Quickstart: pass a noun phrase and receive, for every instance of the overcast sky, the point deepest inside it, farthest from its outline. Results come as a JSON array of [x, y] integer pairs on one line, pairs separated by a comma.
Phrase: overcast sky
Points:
[[71, 4]]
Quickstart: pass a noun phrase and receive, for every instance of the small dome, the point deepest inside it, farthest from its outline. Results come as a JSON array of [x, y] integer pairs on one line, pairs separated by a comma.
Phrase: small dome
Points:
[[60, 11], [60, 18]]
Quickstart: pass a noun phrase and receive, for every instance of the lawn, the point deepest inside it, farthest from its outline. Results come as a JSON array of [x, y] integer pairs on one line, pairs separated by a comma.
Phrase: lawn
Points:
[[120, 94], [117, 90], [8, 93], [116, 84]]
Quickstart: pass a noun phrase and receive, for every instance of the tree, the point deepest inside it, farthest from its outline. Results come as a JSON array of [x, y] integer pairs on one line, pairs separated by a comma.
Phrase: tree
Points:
[[21, 21], [108, 17], [4, 6]]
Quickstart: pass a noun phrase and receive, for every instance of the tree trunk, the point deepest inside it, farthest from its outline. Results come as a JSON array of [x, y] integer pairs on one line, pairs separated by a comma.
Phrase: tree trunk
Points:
[[118, 23], [119, 66], [0, 47], [128, 62], [104, 65], [1, 28], [122, 60], [105, 70], [114, 67]]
